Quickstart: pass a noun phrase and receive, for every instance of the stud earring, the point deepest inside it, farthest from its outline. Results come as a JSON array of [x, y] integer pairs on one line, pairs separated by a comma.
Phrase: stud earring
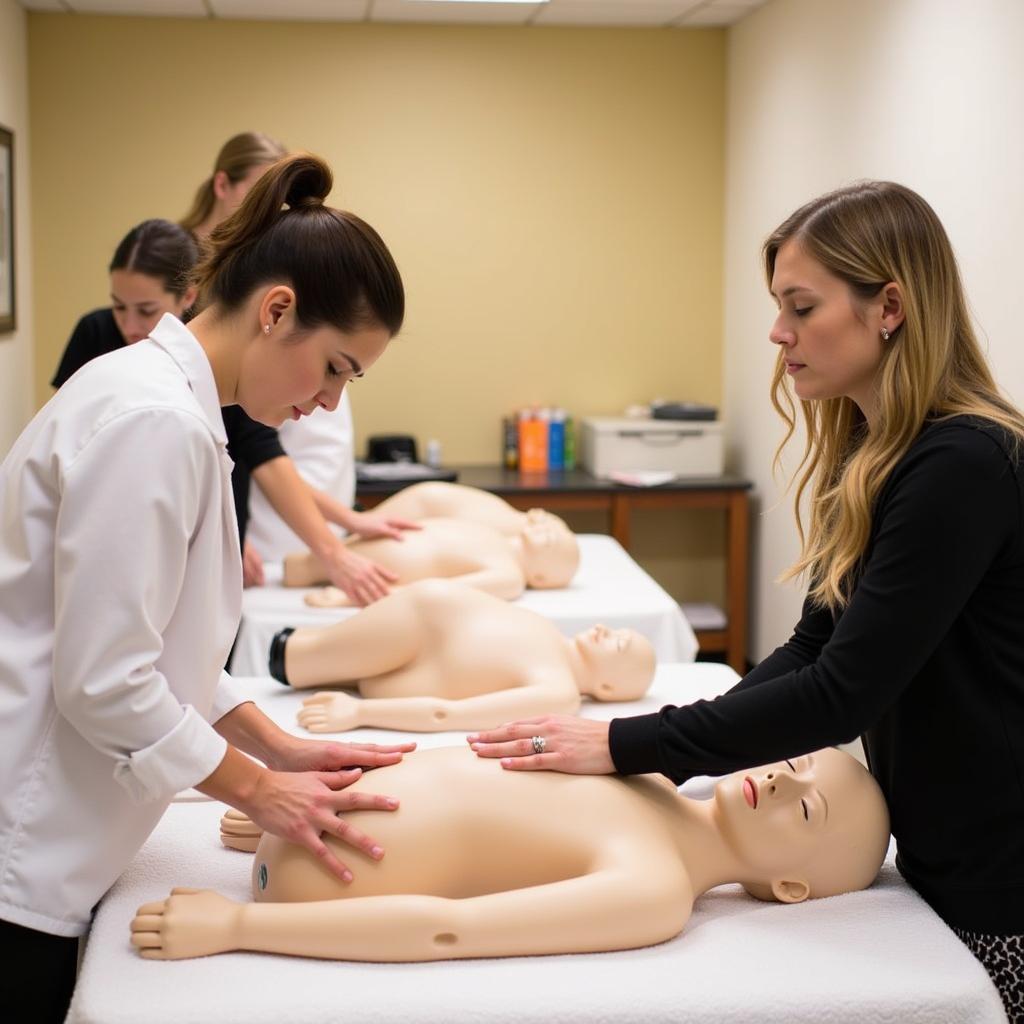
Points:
[[266, 329], [885, 334]]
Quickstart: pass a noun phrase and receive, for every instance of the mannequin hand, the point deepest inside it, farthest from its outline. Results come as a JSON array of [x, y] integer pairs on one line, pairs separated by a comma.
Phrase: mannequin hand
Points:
[[252, 567], [368, 525], [573, 745], [190, 922], [362, 580], [300, 806], [329, 712], [299, 755]]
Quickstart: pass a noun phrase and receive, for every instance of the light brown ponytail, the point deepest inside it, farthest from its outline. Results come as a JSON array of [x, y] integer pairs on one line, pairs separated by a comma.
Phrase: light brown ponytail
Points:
[[237, 157]]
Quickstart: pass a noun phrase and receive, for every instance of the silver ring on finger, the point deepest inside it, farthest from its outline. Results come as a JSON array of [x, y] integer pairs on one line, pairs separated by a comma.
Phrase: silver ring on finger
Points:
[[539, 743]]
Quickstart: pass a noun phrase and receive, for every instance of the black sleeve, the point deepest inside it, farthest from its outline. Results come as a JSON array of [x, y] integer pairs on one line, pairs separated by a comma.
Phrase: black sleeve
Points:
[[250, 444], [811, 634], [85, 344], [951, 506]]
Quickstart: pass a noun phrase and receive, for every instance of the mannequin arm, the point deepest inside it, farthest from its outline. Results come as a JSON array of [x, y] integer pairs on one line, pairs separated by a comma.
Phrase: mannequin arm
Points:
[[381, 638], [610, 908], [336, 712]]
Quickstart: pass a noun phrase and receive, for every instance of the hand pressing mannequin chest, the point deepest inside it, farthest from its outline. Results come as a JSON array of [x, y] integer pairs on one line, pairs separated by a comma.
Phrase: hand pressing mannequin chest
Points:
[[473, 553], [485, 862], [439, 655]]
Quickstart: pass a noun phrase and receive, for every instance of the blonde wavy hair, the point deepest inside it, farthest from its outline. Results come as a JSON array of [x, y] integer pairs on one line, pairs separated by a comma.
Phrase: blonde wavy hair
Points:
[[871, 234]]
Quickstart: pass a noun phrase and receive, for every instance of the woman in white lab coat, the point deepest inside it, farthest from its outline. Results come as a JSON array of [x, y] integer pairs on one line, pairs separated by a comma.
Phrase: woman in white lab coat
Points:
[[120, 575]]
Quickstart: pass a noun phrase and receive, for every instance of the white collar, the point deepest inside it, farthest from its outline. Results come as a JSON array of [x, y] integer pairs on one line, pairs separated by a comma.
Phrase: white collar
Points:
[[181, 345]]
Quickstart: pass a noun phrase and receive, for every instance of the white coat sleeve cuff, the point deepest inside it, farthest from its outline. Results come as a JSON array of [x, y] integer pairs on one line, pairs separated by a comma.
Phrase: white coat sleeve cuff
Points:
[[186, 755], [226, 697]]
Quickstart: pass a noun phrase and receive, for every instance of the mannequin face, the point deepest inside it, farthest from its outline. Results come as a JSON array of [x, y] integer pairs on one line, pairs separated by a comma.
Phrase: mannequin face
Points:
[[291, 372], [550, 552], [621, 663], [814, 825], [139, 300]]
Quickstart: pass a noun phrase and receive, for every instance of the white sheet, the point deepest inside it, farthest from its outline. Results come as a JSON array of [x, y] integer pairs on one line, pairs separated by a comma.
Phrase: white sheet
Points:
[[609, 587], [876, 956]]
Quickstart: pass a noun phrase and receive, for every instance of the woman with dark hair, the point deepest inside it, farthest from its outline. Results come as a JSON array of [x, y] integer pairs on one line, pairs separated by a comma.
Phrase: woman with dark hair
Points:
[[911, 634], [120, 574]]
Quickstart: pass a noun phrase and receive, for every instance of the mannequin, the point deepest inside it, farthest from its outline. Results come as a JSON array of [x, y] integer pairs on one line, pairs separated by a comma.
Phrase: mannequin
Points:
[[439, 655], [434, 498], [483, 862], [541, 556]]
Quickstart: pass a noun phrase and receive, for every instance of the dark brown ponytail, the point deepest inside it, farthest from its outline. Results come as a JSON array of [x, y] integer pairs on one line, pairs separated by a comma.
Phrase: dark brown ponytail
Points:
[[342, 272]]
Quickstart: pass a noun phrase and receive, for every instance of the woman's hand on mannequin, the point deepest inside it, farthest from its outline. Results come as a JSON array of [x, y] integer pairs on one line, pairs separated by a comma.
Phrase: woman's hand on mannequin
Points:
[[362, 580], [302, 806], [300, 755], [573, 745], [252, 567], [368, 525]]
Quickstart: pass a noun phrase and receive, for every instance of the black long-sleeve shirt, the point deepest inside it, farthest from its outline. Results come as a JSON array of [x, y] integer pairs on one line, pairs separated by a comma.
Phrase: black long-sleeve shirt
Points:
[[250, 444], [926, 662]]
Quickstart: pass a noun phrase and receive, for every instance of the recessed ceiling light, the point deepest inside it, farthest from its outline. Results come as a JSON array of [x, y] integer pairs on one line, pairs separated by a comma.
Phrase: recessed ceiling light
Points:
[[480, 1]]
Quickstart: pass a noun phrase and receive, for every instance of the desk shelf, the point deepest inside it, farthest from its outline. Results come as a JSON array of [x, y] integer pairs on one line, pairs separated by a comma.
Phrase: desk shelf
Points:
[[577, 490]]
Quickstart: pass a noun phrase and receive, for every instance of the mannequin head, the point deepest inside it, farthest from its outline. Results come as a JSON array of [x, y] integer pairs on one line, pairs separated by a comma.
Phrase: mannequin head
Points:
[[551, 554], [816, 825], [619, 663], [543, 516]]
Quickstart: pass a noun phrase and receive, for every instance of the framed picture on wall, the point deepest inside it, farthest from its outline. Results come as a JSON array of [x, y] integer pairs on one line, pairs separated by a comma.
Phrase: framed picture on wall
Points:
[[6, 231]]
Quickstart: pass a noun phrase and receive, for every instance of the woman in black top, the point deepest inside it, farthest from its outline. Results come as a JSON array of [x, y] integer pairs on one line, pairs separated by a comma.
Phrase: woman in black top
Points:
[[912, 633], [149, 276]]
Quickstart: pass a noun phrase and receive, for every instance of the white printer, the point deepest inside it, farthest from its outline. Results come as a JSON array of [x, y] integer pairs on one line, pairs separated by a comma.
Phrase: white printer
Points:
[[687, 448]]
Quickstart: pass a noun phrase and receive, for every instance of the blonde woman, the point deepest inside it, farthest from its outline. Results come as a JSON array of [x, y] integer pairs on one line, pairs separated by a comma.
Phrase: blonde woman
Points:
[[912, 633]]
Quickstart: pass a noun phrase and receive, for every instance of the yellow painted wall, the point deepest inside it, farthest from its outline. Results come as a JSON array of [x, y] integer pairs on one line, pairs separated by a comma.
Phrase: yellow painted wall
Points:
[[553, 197]]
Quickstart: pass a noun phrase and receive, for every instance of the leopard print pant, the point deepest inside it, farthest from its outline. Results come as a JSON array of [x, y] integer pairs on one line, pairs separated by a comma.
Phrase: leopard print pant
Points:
[[1003, 957]]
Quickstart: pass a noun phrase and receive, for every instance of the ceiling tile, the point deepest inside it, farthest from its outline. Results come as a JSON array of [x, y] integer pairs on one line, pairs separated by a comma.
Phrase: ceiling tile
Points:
[[163, 8], [715, 14], [613, 12], [447, 11], [292, 10]]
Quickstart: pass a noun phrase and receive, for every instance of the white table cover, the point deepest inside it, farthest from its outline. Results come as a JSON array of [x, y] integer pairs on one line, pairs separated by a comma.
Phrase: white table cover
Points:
[[609, 588], [872, 957]]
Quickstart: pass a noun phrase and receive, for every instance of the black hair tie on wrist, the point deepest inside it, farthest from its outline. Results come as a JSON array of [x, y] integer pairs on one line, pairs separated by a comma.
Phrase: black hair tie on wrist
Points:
[[276, 661]]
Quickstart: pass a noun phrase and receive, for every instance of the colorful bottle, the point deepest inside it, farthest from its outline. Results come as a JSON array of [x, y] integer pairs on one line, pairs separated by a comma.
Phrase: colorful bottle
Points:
[[570, 443], [510, 443], [556, 440], [533, 441]]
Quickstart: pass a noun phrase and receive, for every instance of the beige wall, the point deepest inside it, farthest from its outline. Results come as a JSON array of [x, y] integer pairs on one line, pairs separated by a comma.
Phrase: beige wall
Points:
[[553, 196], [925, 92], [16, 349]]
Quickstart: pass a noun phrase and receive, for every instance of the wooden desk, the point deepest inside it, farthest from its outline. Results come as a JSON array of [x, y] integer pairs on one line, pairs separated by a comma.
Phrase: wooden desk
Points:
[[578, 490]]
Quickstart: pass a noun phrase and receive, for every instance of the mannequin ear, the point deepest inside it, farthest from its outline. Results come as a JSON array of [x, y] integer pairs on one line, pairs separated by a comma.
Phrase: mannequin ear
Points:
[[790, 892]]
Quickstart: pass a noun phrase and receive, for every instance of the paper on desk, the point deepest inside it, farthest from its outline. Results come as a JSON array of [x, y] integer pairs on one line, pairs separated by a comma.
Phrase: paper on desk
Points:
[[642, 477]]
